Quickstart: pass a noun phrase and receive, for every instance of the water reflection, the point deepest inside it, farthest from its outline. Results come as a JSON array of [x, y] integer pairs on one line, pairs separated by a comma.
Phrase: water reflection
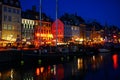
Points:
[[115, 61], [94, 67]]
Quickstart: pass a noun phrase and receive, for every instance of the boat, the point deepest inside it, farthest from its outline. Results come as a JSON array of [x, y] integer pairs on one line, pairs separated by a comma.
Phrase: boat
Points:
[[103, 50]]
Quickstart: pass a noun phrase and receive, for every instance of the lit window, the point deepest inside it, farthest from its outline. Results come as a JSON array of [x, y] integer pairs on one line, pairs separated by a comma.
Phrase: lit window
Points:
[[13, 27], [9, 27], [72, 28], [5, 26], [26, 26]]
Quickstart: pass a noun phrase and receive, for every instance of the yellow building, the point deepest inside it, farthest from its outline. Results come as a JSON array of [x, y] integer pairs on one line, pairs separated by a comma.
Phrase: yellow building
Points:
[[10, 27]]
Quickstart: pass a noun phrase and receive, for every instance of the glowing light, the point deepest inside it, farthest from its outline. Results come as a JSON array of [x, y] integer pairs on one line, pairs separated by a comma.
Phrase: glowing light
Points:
[[54, 66], [37, 72], [93, 58], [42, 69], [80, 63], [114, 36], [22, 62], [115, 60], [12, 72], [38, 34]]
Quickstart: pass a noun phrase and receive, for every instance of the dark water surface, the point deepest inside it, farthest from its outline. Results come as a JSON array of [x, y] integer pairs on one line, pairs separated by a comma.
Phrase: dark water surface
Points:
[[104, 66]]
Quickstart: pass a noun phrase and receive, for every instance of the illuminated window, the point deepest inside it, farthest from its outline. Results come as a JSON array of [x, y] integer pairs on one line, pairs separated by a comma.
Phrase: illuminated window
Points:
[[9, 27], [31, 26], [5, 26], [26, 26], [72, 28]]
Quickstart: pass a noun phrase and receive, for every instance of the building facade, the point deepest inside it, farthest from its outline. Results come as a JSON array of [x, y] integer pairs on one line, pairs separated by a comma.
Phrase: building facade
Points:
[[43, 33], [28, 30], [58, 30], [10, 24]]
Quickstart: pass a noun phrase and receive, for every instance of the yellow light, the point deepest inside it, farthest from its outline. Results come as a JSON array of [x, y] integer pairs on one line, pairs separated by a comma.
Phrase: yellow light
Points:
[[42, 69], [38, 34]]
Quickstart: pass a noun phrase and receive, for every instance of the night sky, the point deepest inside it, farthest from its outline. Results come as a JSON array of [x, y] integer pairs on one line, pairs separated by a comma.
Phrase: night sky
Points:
[[103, 11]]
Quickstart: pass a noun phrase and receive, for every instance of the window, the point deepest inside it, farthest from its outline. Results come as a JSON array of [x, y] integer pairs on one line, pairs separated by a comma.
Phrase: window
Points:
[[13, 27], [18, 20], [5, 9], [9, 9], [14, 10], [9, 27], [5, 18], [26, 26], [9, 18], [72, 28], [5, 26], [18, 12]]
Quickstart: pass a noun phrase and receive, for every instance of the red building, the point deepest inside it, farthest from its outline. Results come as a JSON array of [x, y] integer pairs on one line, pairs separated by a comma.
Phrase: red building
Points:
[[58, 30]]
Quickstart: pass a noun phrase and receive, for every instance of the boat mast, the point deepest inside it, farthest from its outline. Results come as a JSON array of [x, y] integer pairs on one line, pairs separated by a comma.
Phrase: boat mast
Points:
[[56, 22], [40, 22]]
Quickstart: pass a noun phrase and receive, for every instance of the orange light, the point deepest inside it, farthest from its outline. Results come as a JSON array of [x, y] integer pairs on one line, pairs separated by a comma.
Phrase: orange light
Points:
[[38, 34], [42, 69], [114, 36], [37, 72]]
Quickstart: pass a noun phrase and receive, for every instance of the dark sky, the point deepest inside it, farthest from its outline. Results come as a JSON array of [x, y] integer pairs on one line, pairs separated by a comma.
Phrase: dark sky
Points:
[[103, 11]]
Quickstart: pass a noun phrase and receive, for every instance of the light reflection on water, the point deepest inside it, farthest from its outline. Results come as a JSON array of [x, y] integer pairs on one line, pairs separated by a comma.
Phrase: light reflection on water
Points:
[[95, 67]]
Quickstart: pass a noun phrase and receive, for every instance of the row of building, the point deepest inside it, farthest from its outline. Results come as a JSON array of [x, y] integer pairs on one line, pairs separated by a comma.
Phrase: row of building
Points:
[[17, 25]]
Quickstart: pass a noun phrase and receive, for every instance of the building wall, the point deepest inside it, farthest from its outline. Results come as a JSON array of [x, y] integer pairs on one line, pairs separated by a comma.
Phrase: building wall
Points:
[[60, 30], [43, 32], [11, 23], [67, 33], [75, 31], [28, 29]]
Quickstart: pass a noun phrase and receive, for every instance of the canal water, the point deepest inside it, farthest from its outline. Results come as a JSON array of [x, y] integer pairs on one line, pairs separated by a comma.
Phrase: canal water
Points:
[[104, 66]]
